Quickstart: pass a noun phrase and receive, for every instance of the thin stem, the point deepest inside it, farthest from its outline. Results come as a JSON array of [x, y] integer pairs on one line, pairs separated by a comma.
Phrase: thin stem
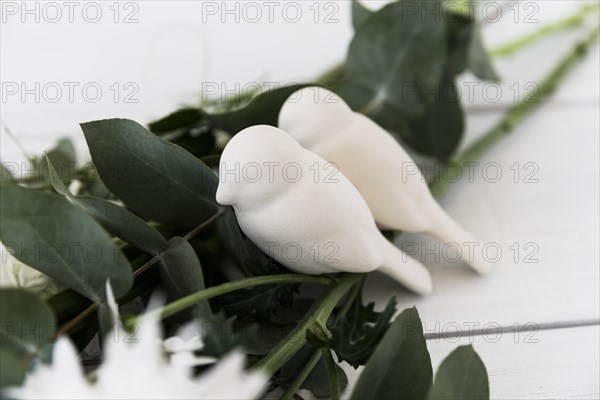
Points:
[[205, 294], [17, 142], [518, 112], [334, 387], [189, 236], [147, 265], [356, 291], [194, 232], [302, 375], [66, 328], [316, 356], [317, 314], [570, 21]]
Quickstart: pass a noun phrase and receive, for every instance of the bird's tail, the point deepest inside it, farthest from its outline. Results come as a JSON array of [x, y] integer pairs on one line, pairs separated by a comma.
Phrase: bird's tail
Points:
[[449, 232], [404, 269]]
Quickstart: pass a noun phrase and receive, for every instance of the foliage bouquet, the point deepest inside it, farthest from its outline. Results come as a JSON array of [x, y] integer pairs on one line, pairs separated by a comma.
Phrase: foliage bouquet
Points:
[[143, 275]]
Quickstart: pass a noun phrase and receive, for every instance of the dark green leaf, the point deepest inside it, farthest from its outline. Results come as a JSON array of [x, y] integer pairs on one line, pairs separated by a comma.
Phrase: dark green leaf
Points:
[[232, 237], [122, 223], [5, 174], [26, 326], [317, 381], [67, 304], [461, 375], [180, 119], [356, 336], [63, 158], [262, 110], [400, 367], [59, 239], [157, 179], [396, 56], [359, 14], [218, 333], [200, 145], [439, 131], [460, 30], [106, 321], [12, 369], [181, 272], [264, 300], [479, 60], [97, 188], [117, 220]]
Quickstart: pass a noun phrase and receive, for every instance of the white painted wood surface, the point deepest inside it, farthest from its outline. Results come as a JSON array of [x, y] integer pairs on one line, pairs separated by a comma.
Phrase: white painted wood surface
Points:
[[550, 364], [559, 213]]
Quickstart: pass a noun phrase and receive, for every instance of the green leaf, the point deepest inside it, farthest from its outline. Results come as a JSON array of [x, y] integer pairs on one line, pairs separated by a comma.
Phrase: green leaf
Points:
[[67, 304], [117, 220], [398, 53], [262, 110], [59, 239], [155, 178], [478, 58], [26, 326], [12, 369], [123, 224], [356, 336], [439, 131], [188, 129], [181, 272], [266, 301], [180, 119], [359, 14], [400, 367], [231, 235], [459, 34], [317, 381], [64, 158], [5, 174], [461, 375], [219, 335]]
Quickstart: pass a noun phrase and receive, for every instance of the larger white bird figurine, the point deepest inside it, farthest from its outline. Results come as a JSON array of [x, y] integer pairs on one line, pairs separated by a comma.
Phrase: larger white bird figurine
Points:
[[376, 164], [308, 222]]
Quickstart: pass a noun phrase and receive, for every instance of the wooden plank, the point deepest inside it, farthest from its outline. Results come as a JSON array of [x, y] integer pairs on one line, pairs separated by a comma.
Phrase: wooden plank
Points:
[[555, 218], [549, 364]]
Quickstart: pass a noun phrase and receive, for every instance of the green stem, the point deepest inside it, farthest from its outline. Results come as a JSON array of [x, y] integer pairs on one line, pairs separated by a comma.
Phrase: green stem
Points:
[[71, 324], [316, 356], [205, 294], [518, 112], [302, 375], [317, 315], [570, 21], [334, 387]]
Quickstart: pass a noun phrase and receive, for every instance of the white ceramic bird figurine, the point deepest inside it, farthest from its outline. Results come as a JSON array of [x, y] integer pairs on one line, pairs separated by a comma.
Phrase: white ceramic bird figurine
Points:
[[376, 164], [310, 224]]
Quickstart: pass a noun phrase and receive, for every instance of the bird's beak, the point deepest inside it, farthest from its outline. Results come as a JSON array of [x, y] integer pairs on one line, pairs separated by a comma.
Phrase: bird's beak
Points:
[[224, 194]]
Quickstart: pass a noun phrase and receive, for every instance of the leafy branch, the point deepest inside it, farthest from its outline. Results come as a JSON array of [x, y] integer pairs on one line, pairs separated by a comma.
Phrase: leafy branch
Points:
[[519, 111]]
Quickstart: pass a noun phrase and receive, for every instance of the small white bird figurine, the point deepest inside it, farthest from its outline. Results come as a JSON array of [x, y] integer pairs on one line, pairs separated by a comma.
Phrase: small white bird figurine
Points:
[[306, 219], [376, 164]]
